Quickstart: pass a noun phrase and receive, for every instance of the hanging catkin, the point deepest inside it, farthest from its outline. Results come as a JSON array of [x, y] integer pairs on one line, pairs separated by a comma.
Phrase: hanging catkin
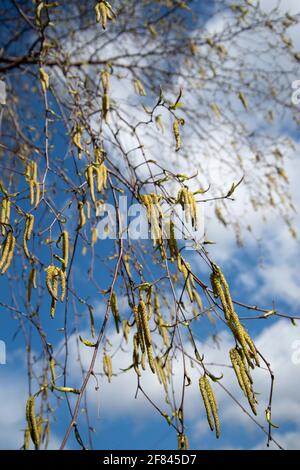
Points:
[[55, 275], [7, 252], [34, 186], [142, 311], [27, 233], [82, 218], [32, 422], [210, 404], [187, 201], [5, 213], [107, 366], [221, 290], [243, 376], [154, 215], [115, 311]]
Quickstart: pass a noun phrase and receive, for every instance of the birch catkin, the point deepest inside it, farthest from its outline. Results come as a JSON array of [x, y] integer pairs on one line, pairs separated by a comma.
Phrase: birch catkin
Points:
[[115, 310], [177, 134], [210, 404], [105, 78], [100, 171], [27, 233], [32, 422], [107, 366], [53, 275], [65, 249], [82, 218], [221, 290], [7, 252], [142, 310], [187, 201], [104, 12], [44, 78], [5, 213], [154, 214], [34, 186], [243, 376], [139, 333], [31, 283], [172, 242]]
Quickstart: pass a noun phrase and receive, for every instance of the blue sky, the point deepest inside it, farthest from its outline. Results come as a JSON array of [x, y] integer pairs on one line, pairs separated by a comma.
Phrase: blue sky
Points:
[[260, 272]]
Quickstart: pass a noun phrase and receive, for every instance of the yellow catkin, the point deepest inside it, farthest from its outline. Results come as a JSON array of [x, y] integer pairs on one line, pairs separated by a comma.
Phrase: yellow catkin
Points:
[[183, 443], [54, 285], [51, 273], [65, 249], [140, 334], [115, 310], [206, 402], [221, 289], [172, 242], [34, 186], [63, 286], [34, 170], [99, 155], [90, 181], [37, 193], [31, 283], [27, 233], [94, 236], [177, 134], [107, 366], [142, 310], [213, 405], [5, 214], [144, 322], [52, 369], [154, 215], [101, 177], [101, 14], [236, 368], [32, 422], [5, 249], [66, 389], [187, 201], [105, 106], [8, 252], [105, 79], [2, 215], [135, 356], [82, 218], [243, 377], [92, 320], [76, 138], [44, 78]]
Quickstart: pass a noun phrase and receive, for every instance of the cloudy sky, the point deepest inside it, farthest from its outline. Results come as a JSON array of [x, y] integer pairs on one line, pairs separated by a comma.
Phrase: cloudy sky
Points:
[[264, 270]]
